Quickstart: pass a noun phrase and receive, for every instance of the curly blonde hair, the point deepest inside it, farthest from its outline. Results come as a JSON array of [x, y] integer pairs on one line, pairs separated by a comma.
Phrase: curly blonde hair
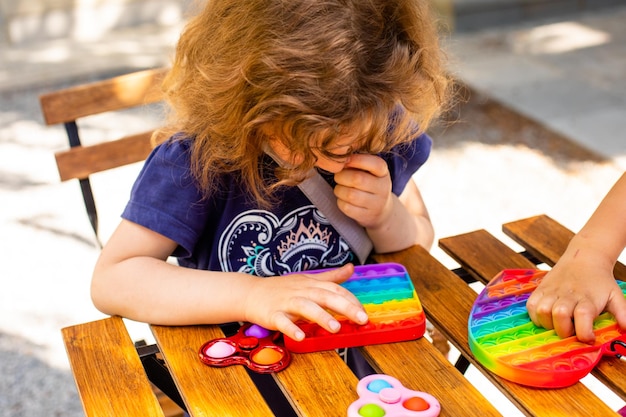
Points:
[[315, 68]]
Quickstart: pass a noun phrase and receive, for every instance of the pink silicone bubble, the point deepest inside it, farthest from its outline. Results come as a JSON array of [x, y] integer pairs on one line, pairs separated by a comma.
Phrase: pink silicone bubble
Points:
[[390, 395], [220, 350]]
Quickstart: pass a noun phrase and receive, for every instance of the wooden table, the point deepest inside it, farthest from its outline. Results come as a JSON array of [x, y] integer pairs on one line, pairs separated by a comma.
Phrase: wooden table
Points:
[[111, 380]]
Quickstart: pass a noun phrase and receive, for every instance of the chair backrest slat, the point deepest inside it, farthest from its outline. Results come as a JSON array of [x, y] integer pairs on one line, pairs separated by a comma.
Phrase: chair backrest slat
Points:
[[80, 162], [124, 91]]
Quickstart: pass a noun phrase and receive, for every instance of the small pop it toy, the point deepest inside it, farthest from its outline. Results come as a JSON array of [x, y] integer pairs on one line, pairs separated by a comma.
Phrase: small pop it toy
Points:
[[382, 395], [504, 339], [389, 298], [253, 346]]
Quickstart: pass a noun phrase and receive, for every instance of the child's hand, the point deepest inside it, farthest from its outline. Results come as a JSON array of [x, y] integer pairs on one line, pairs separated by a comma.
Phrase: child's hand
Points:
[[572, 295], [363, 190], [277, 302], [364, 193]]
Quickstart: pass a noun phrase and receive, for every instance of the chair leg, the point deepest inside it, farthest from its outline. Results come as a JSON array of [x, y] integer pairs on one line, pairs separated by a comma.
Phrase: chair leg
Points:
[[442, 344], [90, 206], [438, 340], [71, 128], [158, 373], [462, 364]]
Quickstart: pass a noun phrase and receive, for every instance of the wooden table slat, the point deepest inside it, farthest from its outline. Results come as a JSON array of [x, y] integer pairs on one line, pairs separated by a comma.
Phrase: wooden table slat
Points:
[[207, 391], [482, 255], [106, 390], [489, 256], [318, 384], [541, 236], [547, 239]]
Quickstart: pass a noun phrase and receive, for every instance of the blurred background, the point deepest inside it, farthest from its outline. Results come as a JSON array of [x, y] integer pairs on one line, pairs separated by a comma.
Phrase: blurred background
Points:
[[538, 130]]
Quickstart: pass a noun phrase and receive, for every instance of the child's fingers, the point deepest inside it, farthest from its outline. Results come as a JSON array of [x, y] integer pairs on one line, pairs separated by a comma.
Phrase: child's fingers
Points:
[[320, 301], [283, 324], [540, 309], [373, 164], [311, 310], [562, 316], [617, 307], [336, 275], [325, 297], [584, 314]]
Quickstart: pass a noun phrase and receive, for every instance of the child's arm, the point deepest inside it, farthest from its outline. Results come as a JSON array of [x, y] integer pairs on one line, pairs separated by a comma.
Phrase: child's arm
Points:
[[132, 279], [393, 223], [581, 285]]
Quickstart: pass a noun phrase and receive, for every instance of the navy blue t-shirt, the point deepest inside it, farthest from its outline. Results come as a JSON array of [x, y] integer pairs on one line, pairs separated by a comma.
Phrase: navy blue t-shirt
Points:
[[229, 232]]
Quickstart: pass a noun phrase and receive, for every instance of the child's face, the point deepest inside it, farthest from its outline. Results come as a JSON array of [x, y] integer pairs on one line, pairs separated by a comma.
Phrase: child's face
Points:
[[331, 163], [341, 153], [331, 158]]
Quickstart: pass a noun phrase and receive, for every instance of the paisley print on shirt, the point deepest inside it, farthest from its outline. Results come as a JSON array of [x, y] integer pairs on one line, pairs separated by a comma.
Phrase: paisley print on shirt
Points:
[[257, 242]]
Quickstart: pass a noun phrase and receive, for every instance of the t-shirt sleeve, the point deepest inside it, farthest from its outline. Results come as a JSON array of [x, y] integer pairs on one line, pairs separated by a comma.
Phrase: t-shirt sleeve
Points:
[[404, 160], [165, 198]]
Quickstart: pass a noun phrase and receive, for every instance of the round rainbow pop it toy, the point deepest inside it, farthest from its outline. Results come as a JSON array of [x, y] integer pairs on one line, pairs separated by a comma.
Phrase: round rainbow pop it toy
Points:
[[504, 339], [384, 396]]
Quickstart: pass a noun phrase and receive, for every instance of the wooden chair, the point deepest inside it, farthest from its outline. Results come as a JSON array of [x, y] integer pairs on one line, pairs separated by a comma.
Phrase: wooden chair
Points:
[[69, 105]]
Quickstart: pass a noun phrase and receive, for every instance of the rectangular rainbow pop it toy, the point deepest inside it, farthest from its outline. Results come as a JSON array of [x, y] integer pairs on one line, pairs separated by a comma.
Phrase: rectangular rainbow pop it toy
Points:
[[389, 298], [504, 339]]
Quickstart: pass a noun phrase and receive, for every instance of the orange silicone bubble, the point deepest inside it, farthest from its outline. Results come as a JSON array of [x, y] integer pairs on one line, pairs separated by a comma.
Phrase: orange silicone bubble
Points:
[[416, 404], [267, 356]]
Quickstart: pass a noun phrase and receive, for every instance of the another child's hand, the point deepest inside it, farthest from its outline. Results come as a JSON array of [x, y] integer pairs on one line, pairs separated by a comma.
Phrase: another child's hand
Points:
[[572, 295], [276, 303], [363, 190]]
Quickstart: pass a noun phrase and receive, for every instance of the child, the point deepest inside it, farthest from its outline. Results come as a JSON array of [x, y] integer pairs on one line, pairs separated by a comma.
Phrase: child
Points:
[[345, 86], [581, 285]]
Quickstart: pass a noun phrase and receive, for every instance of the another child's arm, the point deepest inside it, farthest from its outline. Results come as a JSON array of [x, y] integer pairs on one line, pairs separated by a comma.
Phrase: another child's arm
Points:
[[581, 285], [132, 279], [393, 223]]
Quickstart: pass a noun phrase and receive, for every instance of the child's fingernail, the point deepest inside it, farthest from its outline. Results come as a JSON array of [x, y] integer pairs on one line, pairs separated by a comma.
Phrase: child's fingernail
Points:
[[299, 335], [334, 325], [362, 317]]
